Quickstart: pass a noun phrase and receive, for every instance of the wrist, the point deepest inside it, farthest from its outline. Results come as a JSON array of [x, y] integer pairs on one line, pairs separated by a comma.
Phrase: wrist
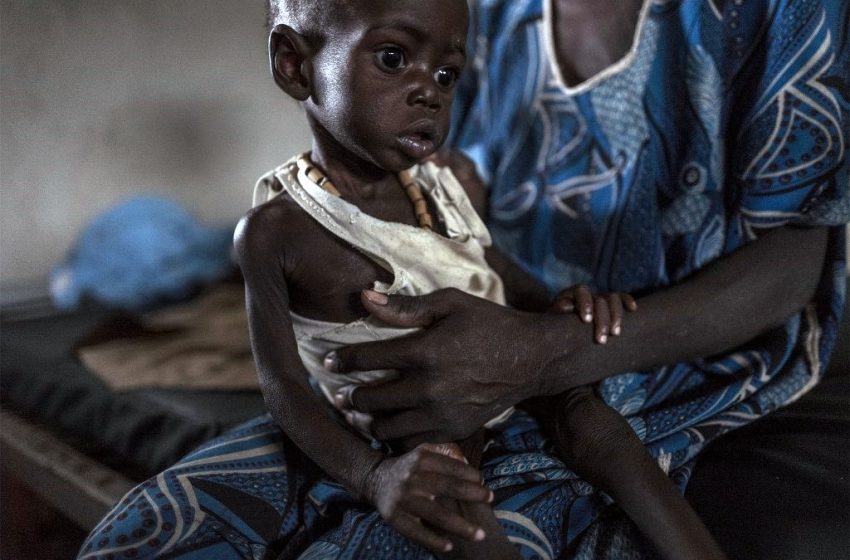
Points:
[[370, 483], [537, 346], [569, 355]]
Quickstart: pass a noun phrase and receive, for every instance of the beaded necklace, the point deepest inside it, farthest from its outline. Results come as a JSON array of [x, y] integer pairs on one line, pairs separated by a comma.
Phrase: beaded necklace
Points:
[[408, 183]]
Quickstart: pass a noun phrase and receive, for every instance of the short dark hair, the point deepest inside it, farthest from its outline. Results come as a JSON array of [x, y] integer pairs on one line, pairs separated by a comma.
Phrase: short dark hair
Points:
[[307, 17]]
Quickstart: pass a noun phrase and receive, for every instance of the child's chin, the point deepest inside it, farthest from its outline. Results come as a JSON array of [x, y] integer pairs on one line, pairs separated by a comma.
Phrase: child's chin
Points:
[[402, 162]]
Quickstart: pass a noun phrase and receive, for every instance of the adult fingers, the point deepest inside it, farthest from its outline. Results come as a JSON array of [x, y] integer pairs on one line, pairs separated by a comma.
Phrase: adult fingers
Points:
[[601, 319], [440, 517], [615, 305], [584, 303], [450, 487], [360, 421], [392, 395], [629, 302], [413, 529], [396, 353], [406, 311]]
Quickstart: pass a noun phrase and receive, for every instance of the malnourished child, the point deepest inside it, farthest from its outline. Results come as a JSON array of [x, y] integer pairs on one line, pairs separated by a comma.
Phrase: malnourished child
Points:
[[365, 215]]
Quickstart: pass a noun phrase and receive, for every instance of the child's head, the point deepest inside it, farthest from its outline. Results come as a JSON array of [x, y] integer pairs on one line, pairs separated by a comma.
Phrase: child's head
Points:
[[376, 77]]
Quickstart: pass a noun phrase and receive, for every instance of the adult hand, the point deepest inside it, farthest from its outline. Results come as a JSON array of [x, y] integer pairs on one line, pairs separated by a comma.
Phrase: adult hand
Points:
[[472, 360]]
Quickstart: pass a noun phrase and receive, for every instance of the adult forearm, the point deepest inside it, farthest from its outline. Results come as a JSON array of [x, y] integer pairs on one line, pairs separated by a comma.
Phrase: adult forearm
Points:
[[722, 306]]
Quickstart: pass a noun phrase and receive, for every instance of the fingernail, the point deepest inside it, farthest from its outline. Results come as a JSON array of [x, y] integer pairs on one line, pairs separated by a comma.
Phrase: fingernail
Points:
[[616, 330], [348, 416], [448, 547], [479, 535], [376, 297], [491, 497], [603, 338], [339, 400], [331, 362], [587, 317]]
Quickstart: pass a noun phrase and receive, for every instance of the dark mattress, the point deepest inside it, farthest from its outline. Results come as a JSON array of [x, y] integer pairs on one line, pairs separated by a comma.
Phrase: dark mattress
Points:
[[140, 431], [775, 489]]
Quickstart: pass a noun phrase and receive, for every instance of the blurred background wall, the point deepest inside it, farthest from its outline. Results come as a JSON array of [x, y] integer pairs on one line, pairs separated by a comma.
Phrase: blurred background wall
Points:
[[103, 99]]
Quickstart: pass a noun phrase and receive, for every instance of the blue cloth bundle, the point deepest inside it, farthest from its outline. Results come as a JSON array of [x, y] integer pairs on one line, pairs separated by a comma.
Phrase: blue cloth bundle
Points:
[[141, 252]]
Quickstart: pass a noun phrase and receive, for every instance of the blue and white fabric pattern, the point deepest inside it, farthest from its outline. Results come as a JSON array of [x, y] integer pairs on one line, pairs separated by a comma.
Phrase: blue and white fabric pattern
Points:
[[725, 119]]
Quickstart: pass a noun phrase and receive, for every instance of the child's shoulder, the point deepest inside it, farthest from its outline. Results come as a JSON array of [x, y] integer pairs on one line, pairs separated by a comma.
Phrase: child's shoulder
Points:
[[264, 231], [275, 223]]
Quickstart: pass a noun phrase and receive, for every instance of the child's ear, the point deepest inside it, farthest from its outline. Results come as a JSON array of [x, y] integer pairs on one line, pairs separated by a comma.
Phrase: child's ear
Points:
[[289, 56]]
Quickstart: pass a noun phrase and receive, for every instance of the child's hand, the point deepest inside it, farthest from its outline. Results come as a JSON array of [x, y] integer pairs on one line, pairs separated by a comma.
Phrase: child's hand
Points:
[[605, 310], [404, 490]]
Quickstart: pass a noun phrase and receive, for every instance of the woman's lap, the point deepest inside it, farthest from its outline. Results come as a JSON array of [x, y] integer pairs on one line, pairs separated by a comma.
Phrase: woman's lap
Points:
[[252, 494]]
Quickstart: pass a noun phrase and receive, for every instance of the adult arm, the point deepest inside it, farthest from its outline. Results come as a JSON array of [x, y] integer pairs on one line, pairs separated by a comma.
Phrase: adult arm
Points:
[[724, 305], [475, 358]]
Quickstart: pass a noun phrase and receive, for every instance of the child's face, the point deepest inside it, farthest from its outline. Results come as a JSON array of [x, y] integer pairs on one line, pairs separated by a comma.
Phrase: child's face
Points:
[[383, 82]]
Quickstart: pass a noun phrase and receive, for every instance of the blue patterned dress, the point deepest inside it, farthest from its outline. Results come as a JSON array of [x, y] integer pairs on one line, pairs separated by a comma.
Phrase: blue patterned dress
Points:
[[717, 125]]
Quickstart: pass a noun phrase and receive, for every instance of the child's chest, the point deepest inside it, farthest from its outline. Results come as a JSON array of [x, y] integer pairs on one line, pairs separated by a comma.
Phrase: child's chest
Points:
[[325, 274]]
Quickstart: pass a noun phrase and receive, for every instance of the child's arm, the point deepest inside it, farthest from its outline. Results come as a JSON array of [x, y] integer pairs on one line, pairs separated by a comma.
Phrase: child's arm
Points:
[[601, 447], [399, 487]]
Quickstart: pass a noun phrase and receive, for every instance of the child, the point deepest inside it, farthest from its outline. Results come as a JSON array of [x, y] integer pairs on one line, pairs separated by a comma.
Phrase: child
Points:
[[376, 79]]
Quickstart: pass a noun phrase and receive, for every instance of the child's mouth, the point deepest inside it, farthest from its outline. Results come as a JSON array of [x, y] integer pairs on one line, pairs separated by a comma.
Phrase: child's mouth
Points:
[[418, 141]]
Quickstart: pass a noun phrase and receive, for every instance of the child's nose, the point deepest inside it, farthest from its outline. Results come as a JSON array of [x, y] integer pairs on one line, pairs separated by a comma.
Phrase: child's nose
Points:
[[426, 94]]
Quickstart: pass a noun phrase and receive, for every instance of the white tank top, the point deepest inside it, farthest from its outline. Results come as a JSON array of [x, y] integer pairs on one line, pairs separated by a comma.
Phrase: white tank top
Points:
[[421, 261]]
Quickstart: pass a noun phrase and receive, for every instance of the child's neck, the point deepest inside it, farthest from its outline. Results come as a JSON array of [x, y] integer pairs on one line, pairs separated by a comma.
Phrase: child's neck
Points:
[[351, 175]]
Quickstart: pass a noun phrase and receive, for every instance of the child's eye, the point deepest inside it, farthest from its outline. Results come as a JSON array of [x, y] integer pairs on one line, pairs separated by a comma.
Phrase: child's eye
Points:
[[445, 77], [391, 58]]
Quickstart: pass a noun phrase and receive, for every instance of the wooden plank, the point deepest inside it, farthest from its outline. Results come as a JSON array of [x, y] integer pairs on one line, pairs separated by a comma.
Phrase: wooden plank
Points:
[[78, 486]]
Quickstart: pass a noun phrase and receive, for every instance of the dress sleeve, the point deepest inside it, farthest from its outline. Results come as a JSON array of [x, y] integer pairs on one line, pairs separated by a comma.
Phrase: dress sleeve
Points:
[[790, 156]]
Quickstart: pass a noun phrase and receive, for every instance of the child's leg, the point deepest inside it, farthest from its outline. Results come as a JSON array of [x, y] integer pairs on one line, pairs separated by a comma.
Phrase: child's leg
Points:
[[495, 544], [473, 447], [600, 446]]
